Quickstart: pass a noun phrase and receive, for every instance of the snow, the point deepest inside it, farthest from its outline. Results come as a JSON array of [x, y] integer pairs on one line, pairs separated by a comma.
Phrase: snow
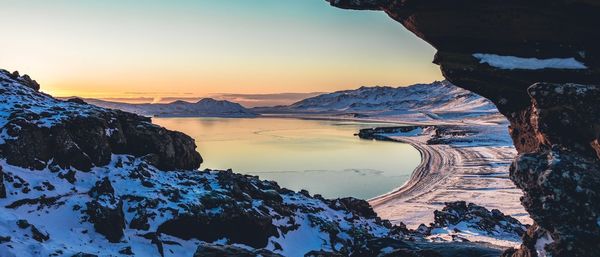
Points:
[[541, 243], [432, 101], [513, 62], [206, 107], [71, 234], [466, 231]]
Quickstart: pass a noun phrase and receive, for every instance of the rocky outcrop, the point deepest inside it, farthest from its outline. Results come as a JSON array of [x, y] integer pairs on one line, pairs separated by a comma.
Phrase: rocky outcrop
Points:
[[105, 211], [561, 179], [2, 186], [476, 217], [207, 250], [502, 50], [40, 131], [531, 29], [24, 80]]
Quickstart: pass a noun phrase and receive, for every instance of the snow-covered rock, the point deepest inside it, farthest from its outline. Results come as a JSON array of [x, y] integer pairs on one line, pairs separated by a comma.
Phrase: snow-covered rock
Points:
[[467, 221], [38, 131], [206, 107]]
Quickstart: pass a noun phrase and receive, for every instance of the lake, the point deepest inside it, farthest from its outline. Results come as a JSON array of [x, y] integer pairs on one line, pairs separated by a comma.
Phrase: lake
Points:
[[321, 156]]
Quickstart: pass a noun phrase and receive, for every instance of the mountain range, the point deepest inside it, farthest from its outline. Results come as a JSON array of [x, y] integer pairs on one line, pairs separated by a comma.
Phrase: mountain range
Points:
[[206, 107]]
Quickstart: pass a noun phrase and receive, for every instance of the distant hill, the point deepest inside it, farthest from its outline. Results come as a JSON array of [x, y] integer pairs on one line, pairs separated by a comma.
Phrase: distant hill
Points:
[[437, 98], [206, 107]]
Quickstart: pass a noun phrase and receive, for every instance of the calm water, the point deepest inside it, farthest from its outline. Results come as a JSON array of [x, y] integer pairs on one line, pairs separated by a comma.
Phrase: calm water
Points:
[[322, 157]]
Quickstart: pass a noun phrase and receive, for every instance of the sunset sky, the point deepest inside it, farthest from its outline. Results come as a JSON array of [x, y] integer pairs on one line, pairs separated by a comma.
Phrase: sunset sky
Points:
[[198, 48]]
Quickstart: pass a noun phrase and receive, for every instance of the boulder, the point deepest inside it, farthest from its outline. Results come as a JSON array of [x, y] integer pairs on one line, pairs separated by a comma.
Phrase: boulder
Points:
[[477, 217], [105, 211]]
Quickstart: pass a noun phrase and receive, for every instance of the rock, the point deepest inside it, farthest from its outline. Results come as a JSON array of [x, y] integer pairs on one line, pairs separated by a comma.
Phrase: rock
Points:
[[35, 232], [555, 125], [68, 176], [39, 235], [126, 251], [238, 225], [322, 253], [76, 100], [84, 255], [102, 187], [477, 217], [359, 207], [4, 239], [82, 136], [105, 211], [23, 224], [2, 186], [208, 250], [25, 80]]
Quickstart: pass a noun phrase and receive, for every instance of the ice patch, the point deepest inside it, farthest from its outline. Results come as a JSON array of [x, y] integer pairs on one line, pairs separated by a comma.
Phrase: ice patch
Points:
[[513, 62]]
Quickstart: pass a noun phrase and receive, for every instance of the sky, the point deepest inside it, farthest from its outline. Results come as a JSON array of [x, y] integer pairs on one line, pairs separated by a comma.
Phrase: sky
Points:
[[150, 49]]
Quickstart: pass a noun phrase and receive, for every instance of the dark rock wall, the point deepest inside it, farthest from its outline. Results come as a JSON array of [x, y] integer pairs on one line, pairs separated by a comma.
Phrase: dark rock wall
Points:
[[554, 113], [80, 135]]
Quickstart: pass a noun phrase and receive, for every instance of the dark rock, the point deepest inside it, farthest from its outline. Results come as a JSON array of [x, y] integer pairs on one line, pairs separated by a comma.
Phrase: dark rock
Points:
[[359, 207], [102, 187], [35, 232], [478, 218], [84, 255], [555, 125], [126, 251], [25, 80], [43, 200], [86, 136], [68, 176], [23, 224], [155, 240], [140, 221], [105, 211], [4, 239], [374, 133], [322, 253], [238, 225], [208, 250], [2, 186], [39, 235], [76, 100]]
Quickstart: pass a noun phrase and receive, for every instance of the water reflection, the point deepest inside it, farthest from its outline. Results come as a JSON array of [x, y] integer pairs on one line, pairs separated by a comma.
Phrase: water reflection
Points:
[[321, 156]]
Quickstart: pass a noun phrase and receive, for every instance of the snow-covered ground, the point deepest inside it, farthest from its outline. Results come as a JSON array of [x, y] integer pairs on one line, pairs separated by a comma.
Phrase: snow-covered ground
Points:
[[469, 164]]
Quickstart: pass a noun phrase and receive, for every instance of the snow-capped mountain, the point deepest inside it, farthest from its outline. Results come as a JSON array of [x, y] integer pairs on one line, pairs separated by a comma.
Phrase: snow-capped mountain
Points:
[[437, 98], [206, 107]]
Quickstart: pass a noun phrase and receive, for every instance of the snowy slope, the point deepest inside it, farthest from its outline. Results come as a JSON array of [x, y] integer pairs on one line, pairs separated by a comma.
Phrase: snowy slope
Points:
[[128, 206], [437, 98], [206, 107]]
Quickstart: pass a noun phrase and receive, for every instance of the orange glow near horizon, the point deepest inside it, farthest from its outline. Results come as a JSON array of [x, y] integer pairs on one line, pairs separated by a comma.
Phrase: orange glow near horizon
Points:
[[126, 49]]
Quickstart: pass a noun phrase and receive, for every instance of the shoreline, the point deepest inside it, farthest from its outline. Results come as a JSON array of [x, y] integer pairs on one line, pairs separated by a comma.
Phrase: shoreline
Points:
[[447, 172], [442, 171]]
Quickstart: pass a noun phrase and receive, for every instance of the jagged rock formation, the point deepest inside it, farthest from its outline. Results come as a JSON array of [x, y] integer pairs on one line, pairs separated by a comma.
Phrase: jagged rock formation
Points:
[[37, 131], [500, 50], [471, 216], [105, 211]]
